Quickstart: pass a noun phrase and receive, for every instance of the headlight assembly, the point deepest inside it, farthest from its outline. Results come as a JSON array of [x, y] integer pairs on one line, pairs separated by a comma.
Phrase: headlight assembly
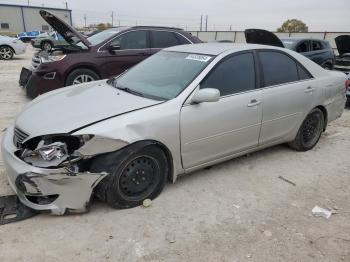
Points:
[[52, 58]]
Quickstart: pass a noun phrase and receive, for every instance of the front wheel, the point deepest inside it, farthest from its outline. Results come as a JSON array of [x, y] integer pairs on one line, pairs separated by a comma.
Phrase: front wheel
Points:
[[310, 131], [6, 53], [136, 174], [81, 75], [46, 46]]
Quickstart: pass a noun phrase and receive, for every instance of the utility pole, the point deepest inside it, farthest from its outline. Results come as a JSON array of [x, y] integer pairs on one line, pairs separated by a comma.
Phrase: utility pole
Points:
[[201, 23], [66, 5], [112, 18], [28, 2], [118, 22], [206, 23], [230, 27], [85, 20]]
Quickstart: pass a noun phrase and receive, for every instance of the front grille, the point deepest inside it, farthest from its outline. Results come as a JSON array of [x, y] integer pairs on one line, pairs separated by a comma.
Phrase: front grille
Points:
[[36, 61], [19, 136]]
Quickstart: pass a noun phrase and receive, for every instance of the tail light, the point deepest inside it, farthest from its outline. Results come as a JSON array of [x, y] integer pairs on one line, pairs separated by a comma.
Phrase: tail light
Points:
[[347, 84]]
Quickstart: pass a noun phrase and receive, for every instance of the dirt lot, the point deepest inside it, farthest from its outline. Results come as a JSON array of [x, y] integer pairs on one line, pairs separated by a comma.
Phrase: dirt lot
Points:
[[236, 211]]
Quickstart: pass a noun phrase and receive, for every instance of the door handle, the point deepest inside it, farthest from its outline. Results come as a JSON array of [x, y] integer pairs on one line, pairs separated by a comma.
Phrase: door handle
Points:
[[309, 89], [253, 102]]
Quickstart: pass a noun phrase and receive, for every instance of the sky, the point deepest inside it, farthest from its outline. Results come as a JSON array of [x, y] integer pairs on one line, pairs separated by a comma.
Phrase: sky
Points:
[[319, 15]]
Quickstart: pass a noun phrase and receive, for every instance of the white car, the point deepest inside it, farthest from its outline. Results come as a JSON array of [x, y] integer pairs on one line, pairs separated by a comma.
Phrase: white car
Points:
[[185, 108], [10, 46]]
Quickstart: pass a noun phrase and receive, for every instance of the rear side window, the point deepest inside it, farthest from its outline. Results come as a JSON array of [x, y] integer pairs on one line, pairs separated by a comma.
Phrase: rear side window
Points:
[[278, 68], [163, 39], [303, 47], [234, 75], [316, 45]]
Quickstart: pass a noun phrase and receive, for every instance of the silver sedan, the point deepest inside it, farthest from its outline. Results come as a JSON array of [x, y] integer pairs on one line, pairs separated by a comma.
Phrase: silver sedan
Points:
[[183, 109]]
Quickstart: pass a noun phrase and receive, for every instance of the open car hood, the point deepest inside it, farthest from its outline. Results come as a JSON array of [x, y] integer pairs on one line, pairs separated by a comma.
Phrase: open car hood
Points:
[[262, 37], [343, 44], [67, 31]]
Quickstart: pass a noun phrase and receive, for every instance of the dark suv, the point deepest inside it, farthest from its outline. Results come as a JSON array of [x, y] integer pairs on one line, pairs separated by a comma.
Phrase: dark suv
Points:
[[317, 50], [100, 56]]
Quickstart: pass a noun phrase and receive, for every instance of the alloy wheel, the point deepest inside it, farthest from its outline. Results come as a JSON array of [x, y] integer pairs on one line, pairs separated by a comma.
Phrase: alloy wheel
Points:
[[6, 53], [82, 79]]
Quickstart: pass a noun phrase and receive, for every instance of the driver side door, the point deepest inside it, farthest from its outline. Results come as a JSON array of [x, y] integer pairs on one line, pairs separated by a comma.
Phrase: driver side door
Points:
[[215, 130], [133, 46]]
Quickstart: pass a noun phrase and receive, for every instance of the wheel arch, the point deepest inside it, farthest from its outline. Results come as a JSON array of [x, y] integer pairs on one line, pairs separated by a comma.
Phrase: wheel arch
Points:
[[5, 45], [46, 40], [325, 115], [164, 148], [81, 66]]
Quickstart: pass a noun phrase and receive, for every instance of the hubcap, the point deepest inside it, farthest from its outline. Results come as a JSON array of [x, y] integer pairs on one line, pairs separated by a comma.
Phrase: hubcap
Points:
[[311, 129], [5, 53], [139, 177], [82, 79]]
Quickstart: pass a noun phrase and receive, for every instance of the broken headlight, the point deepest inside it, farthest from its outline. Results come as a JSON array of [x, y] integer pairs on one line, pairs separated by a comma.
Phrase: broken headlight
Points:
[[55, 150]]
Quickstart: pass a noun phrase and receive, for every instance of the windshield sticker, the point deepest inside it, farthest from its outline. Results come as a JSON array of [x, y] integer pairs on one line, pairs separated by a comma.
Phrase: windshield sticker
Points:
[[201, 58]]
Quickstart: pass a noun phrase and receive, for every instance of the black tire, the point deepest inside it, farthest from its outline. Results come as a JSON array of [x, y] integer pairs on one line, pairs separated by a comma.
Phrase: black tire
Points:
[[327, 66], [310, 131], [46, 45], [136, 173], [81, 72], [6, 52]]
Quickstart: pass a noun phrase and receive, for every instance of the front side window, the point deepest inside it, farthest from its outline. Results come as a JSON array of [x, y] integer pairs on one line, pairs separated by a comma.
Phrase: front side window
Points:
[[234, 75], [163, 39], [316, 45], [277, 68], [132, 40], [164, 75], [303, 47]]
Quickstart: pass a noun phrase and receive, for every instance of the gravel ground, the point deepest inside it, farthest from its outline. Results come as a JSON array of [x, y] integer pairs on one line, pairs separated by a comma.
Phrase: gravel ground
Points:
[[237, 211]]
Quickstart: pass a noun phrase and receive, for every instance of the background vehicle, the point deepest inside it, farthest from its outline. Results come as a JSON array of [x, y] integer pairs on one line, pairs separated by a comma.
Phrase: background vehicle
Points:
[[10, 46], [102, 55], [317, 50], [342, 62], [27, 36], [48, 41], [348, 92], [180, 110]]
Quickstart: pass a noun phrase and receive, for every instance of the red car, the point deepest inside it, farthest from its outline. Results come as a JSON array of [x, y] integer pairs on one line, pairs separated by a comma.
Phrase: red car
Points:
[[100, 56]]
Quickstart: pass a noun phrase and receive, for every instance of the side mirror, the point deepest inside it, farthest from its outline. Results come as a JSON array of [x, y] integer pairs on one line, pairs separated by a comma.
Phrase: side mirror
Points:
[[206, 95], [112, 48]]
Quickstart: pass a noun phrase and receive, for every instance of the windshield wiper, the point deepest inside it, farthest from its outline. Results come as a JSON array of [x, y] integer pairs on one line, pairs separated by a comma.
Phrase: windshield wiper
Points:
[[131, 91]]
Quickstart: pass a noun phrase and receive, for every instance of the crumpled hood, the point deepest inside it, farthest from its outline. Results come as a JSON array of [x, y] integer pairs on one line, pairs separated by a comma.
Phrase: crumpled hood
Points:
[[343, 44], [73, 107]]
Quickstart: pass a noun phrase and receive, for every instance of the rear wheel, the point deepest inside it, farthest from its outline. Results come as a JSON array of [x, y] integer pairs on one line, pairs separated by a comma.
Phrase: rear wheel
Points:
[[81, 75], [136, 174], [310, 131], [6, 52]]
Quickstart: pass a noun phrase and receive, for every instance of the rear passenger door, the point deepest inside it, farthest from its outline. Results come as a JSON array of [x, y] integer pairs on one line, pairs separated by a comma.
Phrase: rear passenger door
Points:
[[162, 39], [288, 94], [134, 47], [317, 52]]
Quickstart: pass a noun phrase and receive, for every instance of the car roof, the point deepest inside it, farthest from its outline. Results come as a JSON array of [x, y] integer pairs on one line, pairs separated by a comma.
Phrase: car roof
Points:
[[297, 39], [217, 48]]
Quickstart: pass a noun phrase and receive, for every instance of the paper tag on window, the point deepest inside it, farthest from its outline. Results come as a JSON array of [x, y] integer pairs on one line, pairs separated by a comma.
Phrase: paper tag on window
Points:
[[201, 58]]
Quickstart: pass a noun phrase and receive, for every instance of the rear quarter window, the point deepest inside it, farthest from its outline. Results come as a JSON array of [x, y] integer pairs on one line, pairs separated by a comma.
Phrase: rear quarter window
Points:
[[163, 39]]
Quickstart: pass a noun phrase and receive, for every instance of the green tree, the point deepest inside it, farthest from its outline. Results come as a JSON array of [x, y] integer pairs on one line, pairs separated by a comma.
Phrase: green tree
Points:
[[103, 26], [293, 26]]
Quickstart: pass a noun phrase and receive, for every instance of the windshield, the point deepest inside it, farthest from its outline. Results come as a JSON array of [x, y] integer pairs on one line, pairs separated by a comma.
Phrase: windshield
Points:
[[102, 36], [163, 75]]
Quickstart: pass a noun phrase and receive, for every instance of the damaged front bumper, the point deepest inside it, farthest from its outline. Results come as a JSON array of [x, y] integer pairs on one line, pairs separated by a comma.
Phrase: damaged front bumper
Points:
[[57, 190]]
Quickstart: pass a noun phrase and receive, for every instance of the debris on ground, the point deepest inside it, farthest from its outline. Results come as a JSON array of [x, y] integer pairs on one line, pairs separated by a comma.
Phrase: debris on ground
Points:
[[286, 180], [236, 206], [147, 202], [267, 233], [170, 237], [321, 212], [12, 210]]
